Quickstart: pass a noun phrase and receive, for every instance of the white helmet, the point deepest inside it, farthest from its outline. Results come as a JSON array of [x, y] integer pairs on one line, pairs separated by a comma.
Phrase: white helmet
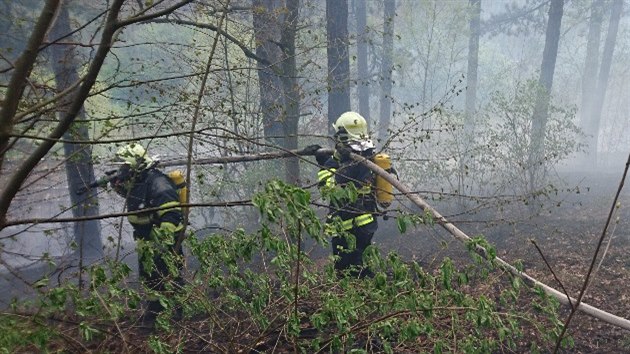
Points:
[[352, 129], [135, 156]]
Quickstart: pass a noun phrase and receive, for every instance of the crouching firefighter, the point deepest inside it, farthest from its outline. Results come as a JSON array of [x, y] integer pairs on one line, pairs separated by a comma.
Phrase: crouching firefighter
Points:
[[357, 216], [155, 231]]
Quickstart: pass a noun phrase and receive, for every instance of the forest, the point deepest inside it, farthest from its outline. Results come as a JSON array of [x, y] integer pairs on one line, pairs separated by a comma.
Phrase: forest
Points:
[[506, 122]]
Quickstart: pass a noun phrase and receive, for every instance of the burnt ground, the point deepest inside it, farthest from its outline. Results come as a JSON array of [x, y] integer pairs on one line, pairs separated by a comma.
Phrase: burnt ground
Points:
[[567, 231]]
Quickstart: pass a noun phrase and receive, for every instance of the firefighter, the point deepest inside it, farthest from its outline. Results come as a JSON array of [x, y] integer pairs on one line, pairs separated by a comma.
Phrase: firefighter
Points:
[[156, 232], [357, 217]]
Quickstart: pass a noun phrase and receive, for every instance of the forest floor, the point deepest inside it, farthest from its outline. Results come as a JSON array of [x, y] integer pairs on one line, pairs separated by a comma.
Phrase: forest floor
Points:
[[562, 239], [568, 237], [568, 244]]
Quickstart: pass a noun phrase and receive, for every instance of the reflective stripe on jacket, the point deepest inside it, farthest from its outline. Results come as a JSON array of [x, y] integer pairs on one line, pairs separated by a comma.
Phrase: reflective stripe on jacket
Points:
[[359, 221], [353, 213], [327, 177]]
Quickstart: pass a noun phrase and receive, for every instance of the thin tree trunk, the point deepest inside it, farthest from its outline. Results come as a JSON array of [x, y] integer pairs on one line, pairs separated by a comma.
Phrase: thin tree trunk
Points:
[[338, 60], [471, 91], [541, 108], [79, 165], [291, 88], [389, 14], [363, 79], [604, 73], [589, 78]]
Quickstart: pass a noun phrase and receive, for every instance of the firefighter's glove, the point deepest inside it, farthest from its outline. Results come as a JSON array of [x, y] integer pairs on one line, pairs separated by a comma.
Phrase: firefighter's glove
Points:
[[322, 157], [343, 152], [311, 149]]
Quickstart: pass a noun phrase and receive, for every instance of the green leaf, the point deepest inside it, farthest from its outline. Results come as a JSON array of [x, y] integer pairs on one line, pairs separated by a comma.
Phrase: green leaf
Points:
[[41, 283], [401, 222]]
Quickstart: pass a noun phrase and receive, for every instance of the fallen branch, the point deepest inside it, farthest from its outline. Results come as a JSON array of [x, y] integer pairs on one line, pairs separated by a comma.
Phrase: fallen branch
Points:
[[461, 236], [243, 158]]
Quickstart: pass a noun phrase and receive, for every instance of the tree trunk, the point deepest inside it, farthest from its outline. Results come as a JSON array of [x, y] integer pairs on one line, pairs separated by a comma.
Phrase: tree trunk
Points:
[[389, 13], [79, 165], [363, 90], [272, 100], [267, 32], [291, 88], [471, 91], [541, 108], [589, 79], [602, 79], [338, 61]]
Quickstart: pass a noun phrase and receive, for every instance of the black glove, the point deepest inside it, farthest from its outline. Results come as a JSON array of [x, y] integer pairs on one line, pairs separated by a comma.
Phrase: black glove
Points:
[[343, 152], [311, 149], [322, 157]]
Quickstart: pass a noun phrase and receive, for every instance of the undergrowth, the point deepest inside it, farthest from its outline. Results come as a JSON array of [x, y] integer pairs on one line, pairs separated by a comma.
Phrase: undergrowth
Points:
[[259, 292]]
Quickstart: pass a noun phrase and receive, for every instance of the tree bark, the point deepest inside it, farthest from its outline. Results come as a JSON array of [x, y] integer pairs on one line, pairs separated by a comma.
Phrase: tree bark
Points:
[[338, 60], [589, 78], [541, 108], [363, 75], [272, 100], [602, 79], [389, 14], [79, 165], [270, 84]]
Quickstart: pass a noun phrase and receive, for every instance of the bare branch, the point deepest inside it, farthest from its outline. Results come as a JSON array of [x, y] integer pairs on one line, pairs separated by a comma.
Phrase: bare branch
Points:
[[595, 254], [22, 172], [248, 53], [23, 68], [138, 19], [55, 220]]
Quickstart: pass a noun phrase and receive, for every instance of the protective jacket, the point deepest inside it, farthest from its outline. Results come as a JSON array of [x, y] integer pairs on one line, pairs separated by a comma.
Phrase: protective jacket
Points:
[[337, 171], [153, 189]]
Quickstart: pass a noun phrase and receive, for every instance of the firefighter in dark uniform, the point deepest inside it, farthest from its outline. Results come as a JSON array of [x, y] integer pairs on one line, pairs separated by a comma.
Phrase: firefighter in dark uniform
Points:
[[156, 232], [357, 217]]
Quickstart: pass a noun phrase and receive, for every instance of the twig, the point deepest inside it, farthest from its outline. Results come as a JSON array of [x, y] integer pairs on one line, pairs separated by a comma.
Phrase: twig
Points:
[[599, 245], [54, 220], [610, 238], [120, 332], [551, 270]]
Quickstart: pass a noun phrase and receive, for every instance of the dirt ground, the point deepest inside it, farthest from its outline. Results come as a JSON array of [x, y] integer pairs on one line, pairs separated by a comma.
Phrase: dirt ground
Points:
[[569, 244], [567, 234]]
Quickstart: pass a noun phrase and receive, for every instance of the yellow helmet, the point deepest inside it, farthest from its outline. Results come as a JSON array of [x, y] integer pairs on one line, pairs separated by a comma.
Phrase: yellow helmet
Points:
[[135, 156], [351, 126]]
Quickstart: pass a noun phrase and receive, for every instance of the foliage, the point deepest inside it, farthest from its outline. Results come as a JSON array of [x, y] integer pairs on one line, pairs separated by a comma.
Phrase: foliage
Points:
[[496, 161], [509, 132], [253, 291]]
